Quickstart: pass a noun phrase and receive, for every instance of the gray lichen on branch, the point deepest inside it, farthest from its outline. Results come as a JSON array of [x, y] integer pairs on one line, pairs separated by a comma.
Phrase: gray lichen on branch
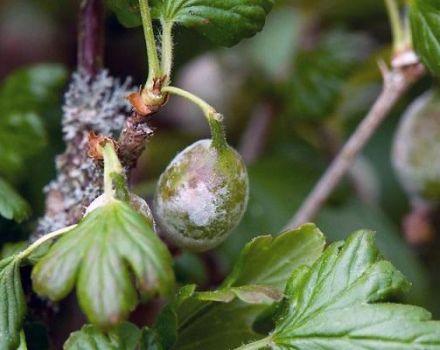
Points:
[[91, 104]]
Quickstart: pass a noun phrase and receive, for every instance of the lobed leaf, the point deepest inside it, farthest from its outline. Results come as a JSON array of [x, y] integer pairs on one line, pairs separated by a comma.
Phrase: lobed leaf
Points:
[[335, 304], [225, 22], [101, 255], [425, 30]]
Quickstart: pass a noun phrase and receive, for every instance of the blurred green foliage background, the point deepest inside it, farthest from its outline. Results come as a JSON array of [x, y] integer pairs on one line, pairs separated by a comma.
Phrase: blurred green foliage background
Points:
[[290, 95]]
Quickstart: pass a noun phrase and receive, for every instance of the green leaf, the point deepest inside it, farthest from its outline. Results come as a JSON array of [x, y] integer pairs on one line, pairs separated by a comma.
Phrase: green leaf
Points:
[[124, 337], [12, 304], [23, 344], [150, 340], [425, 29], [110, 247], [320, 74], [269, 261], [225, 22], [336, 304], [127, 12], [24, 95], [265, 261], [12, 248], [216, 326], [165, 327], [12, 206]]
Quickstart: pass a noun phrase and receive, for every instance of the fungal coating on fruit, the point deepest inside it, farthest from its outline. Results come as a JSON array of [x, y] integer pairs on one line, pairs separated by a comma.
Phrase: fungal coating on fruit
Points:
[[202, 195], [416, 155]]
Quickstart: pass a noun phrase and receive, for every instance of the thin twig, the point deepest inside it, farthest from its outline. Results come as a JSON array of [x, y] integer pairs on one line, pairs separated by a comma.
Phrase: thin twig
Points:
[[396, 83]]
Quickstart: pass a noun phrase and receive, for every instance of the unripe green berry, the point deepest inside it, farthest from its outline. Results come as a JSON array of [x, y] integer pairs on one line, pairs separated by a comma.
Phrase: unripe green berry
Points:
[[202, 195], [416, 155]]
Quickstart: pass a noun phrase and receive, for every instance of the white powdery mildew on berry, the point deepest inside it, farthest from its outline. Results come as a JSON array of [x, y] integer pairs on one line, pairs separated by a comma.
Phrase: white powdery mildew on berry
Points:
[[98, 104], [188, 200]]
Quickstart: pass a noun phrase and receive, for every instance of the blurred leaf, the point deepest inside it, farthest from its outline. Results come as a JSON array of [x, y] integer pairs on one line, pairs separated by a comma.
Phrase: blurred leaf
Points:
[[360, 89], [320, 74], [346, 10], [127, 12], [9, 249], [150, 340], [190, 268], [274, 56], [12, 304], [225, 22], [23, 345], [23, 97], [100, 255], [12, 206], [425, 29], [124, 337], [347, 285]]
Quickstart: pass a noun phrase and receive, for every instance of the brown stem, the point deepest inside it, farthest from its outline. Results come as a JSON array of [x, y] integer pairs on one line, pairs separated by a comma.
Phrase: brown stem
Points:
[[396, 83], [91, 36], [132, 139]]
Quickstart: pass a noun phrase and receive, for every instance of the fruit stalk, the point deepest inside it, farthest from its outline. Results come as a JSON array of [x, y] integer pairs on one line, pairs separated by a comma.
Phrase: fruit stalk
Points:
[[215, 120], [154, 70]]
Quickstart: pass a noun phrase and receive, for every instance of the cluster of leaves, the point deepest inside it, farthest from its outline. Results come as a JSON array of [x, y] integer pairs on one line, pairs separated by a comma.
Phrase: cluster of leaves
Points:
[[338, 299]]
